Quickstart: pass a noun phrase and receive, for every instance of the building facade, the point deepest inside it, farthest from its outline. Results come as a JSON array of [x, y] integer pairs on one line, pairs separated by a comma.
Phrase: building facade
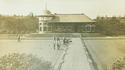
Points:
[[65, 23]]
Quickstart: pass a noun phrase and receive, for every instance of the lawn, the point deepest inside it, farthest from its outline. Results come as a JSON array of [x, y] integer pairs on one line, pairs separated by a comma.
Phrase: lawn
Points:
[[106, 50], [39, 48]]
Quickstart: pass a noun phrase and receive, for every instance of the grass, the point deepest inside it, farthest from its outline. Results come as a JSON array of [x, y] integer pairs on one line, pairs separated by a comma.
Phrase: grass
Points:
[[107, 51]]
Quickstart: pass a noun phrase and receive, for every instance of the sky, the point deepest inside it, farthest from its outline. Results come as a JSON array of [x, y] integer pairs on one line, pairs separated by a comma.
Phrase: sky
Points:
[[91, 8]]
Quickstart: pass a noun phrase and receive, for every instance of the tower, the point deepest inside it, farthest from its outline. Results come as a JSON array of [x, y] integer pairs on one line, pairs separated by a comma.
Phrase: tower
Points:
[[44, 26]]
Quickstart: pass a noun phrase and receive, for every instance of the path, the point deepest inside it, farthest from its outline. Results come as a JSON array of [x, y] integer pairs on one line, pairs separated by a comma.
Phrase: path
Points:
[[76, 58]]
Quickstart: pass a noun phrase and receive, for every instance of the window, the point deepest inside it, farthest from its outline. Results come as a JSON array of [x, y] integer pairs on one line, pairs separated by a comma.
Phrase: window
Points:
[[93, 28], [40, 29], [49, 28], [45, 28], [87, 28]]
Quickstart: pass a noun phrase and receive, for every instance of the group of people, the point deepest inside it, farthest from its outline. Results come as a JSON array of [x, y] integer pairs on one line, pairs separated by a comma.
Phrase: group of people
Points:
[[59, 41]]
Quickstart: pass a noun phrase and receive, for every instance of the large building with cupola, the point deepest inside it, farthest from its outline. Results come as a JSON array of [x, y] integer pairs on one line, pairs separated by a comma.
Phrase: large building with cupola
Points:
[[65, 23]]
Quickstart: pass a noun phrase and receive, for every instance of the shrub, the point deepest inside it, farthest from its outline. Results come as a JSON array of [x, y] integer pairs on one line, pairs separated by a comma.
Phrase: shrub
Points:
[[16, 61]]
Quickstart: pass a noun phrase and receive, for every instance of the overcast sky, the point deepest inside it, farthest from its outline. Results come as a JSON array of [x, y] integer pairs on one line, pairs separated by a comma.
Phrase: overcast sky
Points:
[[91, 8]]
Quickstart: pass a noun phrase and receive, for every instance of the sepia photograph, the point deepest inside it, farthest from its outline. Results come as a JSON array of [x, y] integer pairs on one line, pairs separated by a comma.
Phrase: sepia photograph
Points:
[[62, 34]]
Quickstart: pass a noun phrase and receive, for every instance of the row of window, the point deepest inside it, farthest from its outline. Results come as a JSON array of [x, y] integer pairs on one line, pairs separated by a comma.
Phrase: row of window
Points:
[[88, 29], [45, 28]]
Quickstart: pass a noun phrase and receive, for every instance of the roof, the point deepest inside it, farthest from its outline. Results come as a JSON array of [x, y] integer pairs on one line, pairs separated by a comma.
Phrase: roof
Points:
[[45, 16], [71, 18], [68, 17], [46, 12]]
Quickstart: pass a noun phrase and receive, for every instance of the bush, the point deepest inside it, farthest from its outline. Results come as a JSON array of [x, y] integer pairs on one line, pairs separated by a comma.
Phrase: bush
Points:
[[16, 61], [119, 64]]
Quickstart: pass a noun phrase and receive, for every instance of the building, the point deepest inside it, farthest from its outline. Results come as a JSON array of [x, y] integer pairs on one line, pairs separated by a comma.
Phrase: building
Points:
[[65, 23]]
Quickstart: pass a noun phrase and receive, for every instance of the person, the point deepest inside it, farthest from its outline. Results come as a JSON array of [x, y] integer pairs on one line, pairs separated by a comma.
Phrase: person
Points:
[[64, 40], [54, 46], [19, 38], [54, 38], [58, 46]]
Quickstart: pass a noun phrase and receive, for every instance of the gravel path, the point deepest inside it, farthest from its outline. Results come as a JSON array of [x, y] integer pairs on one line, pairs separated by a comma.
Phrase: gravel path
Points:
[[76, 58]]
